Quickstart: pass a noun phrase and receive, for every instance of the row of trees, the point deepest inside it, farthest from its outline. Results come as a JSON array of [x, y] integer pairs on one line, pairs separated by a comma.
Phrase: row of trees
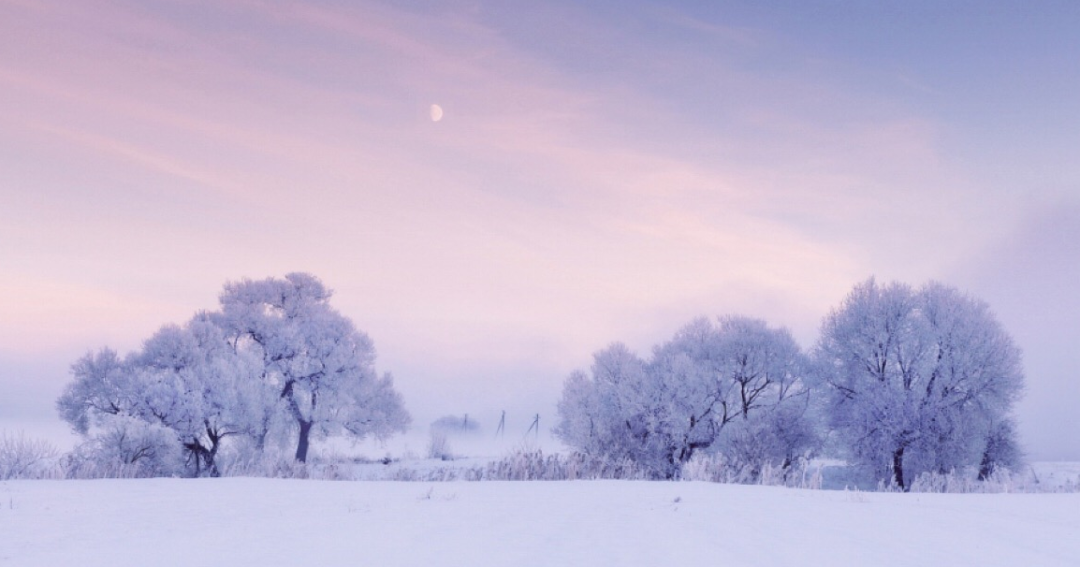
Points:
[[902, 381], [275, 364]]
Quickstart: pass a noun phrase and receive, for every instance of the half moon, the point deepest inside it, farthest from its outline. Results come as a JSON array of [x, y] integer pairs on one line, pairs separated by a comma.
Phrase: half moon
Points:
[[436, 113]]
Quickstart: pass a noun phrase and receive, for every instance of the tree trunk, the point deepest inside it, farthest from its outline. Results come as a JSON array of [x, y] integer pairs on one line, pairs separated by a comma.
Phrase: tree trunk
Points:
[[302, 443], [211, 459], [210, 453], [260, 435], [196, 457], [202, 458], [898, 468], [986, 464]]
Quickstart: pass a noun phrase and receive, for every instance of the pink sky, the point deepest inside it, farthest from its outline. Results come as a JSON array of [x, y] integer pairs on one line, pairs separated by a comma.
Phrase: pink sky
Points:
[[594, 178]]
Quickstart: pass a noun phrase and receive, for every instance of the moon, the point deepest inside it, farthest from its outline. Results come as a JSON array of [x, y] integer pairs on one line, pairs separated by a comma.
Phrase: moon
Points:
[[436, 113]]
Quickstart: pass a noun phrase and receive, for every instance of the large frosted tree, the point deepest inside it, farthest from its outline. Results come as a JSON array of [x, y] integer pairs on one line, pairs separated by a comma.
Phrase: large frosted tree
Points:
[[320, 368], [919, 380], [185, 388], [276, 360]]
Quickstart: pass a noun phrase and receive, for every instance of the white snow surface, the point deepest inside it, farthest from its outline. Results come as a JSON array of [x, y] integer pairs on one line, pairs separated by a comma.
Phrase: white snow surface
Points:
[[256, 521]]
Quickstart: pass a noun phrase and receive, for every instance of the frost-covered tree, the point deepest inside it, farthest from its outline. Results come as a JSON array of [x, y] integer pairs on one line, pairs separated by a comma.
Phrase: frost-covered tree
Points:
[[917, 379], [620, 412], [737, 374], [187, 380], [762, 401], [1001, 451], [276, 356], [197, 385], [625, 410], [320, 368]]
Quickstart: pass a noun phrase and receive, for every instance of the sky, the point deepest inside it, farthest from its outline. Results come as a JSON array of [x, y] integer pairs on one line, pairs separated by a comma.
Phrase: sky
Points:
[[602, 171]]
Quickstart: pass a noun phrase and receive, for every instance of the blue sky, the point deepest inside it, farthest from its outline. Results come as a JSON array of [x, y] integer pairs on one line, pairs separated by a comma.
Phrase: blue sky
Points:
[[603, 171]]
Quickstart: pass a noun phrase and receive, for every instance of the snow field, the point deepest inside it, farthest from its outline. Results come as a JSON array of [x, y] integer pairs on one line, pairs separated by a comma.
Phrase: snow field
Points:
[[255, 521]]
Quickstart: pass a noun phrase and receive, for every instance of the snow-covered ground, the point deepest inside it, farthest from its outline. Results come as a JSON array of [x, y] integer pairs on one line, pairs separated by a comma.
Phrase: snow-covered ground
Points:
[[255, 521]]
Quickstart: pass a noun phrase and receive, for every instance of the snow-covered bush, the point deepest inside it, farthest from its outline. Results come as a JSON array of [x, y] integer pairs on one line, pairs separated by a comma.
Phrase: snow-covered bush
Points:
[[126, 447], [521, 465], [439, 446], [22, 457], [245, 460], [715, 467], [965, 481], [244, 457], [535, 465]]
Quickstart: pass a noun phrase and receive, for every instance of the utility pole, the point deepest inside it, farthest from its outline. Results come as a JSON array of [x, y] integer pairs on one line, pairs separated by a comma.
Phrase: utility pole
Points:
[[535, 425]]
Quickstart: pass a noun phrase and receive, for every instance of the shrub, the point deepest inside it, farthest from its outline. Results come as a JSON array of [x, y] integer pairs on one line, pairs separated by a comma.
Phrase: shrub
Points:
[[439, 446], [22, 457], [126, 448]]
